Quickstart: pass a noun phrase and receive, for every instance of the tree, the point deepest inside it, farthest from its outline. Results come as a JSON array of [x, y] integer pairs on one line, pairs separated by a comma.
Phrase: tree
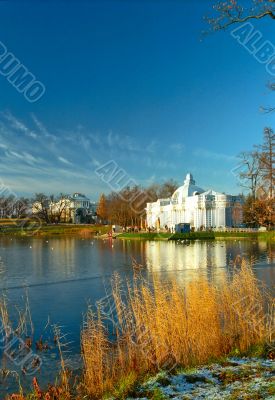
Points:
[[41, 207], [7, 205], [59, 208], [257, 174], [232, 12], [102, 208], [127, 207], [267, 162], [167, 189], [20, 208], [259, 212], [249, 171]]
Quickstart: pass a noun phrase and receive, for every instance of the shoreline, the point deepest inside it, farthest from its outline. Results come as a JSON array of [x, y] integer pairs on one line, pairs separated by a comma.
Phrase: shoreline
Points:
[[101, 232], [52, 230], [198, 236]]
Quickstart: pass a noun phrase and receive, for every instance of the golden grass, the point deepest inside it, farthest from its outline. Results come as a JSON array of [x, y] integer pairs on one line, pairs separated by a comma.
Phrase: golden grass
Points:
[[162, 325]]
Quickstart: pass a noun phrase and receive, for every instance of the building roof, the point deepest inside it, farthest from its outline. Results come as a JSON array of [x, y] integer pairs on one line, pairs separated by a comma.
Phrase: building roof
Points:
[[212, 193], [189, 188], [79, 196]]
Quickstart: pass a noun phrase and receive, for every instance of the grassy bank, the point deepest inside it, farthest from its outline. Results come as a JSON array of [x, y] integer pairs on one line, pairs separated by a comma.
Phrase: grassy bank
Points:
[[145, 236], [198, 236], [163, 326], [20, 229]]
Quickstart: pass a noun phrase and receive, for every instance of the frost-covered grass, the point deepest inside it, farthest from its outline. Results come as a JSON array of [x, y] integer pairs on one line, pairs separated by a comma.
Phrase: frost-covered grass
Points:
[[233, 379]]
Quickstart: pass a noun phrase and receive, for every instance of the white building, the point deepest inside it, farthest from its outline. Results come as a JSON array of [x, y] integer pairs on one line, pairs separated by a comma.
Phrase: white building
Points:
[[192, 204], [75, 208]]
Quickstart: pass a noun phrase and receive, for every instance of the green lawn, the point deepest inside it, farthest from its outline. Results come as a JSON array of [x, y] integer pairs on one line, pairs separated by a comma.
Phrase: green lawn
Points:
[[48, 230], [145, 236], [198, 235], [13, 227]]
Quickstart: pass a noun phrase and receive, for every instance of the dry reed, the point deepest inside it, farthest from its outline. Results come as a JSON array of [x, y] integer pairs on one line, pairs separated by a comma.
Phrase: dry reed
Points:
[[162, 325]]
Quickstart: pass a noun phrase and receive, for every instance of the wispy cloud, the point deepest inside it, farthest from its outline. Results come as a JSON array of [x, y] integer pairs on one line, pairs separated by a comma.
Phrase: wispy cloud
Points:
[[64, 160], [35, 158], [204, 153], [177, 147], [18, 125]]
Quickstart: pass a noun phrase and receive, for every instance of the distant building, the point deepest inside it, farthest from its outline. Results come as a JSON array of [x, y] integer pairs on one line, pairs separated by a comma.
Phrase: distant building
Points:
[[190, 204], [76, 208], [79, 207]]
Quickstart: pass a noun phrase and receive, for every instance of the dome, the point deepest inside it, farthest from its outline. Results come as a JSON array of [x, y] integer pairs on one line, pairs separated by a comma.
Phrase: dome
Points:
[[188, 189]]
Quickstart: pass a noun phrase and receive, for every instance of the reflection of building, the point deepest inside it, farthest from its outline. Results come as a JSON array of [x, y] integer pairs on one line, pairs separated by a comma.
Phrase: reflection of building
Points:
[[192, 204], [186, 263], [170, 256], [76, 208]]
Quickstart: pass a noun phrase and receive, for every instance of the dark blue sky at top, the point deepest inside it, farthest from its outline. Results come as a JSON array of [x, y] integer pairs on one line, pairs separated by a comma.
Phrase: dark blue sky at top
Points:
[[129, 81]]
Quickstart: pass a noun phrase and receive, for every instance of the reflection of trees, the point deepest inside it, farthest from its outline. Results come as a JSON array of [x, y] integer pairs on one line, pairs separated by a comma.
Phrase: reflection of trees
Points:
[[270, 252]]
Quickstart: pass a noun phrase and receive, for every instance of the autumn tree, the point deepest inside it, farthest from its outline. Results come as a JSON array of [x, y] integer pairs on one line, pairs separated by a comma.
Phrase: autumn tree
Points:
[[127, 207], [259, 212], [257, 173], [102, 208]]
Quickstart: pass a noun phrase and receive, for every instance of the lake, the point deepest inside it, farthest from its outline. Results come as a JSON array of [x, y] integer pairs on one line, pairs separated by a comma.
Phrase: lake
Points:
[[65, 274]]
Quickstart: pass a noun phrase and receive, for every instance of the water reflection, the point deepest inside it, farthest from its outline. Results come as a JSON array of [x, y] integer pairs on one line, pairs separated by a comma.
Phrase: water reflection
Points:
[[212, 258], [33, 261]]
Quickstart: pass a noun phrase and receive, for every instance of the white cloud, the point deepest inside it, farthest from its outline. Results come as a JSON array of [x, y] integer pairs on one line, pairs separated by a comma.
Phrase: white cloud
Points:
[[18, 125], [64, 160]]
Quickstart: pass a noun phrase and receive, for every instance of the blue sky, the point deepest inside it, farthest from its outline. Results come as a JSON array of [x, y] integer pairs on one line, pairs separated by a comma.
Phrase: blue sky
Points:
[[129, 81]]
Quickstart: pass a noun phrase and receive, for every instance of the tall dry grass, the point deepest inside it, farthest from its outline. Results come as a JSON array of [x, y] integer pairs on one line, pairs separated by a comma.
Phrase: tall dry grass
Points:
[[163, 325]]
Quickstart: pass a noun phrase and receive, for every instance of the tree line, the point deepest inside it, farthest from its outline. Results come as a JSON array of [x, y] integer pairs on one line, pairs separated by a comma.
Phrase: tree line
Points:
[[127, 206], [12, 206]]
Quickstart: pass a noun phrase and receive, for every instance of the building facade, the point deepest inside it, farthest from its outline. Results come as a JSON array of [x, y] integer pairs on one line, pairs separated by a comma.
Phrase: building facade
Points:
[[193, 205], [76, 208]]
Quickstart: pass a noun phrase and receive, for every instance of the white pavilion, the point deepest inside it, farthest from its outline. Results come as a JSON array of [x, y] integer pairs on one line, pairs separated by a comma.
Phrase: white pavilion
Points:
[[193, 205]]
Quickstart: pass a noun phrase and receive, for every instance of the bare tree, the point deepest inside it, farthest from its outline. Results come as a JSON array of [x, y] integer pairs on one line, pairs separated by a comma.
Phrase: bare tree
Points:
[[232, 12], [41, 206], [167, 189], [59, 207], [7, 206], [20, 208], [249, 173], [267, 161]]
